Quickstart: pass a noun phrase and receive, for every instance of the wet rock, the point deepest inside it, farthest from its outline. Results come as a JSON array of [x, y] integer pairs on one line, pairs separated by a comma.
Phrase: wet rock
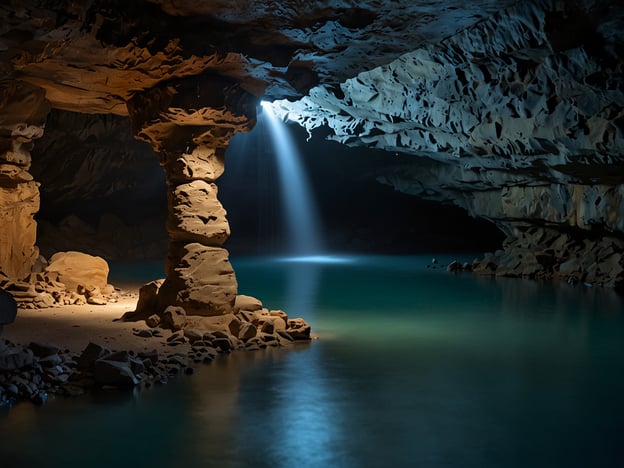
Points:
[[298, 329], [114, 373], [50, 361], [223, 343], [285, 335], [267, 327], [90, 354], [40, 398], [117, 356], [152, 356]]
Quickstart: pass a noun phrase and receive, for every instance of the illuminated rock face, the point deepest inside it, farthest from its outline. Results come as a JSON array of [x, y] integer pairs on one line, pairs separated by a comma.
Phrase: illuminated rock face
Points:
[[191, 145], [22, 113], [518, 119], [511, 110]]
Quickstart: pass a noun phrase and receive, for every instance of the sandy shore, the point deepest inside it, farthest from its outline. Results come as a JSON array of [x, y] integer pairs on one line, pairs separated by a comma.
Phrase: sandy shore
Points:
[[73, 327]]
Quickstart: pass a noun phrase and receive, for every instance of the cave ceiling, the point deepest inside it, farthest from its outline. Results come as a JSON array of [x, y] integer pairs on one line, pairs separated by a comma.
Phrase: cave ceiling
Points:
[[92, 57], [472, 98]]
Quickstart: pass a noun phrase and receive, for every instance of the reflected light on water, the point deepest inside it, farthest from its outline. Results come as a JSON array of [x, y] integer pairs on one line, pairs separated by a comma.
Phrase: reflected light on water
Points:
[[317, 259]]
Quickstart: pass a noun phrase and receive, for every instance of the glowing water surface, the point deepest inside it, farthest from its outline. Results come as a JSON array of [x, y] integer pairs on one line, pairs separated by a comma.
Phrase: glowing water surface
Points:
[[414, 367]]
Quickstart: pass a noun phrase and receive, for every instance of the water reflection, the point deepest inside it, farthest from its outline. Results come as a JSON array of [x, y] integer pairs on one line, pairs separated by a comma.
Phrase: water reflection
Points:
[[413, 368]]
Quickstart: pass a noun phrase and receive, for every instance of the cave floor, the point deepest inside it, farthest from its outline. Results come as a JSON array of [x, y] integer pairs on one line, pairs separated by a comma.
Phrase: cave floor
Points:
[[72, 327]]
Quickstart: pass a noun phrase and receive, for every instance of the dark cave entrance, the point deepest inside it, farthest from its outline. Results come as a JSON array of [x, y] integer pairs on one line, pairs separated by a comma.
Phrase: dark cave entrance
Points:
[[102, 191]]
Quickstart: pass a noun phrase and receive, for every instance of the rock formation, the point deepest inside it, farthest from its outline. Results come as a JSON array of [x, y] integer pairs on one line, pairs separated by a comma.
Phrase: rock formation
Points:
[[22, 114], [517, 119], [70, 278], [509, 109]]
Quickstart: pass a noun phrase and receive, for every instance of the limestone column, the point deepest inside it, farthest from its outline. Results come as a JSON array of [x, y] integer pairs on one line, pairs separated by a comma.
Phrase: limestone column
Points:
[[189, 123], [23, 109]]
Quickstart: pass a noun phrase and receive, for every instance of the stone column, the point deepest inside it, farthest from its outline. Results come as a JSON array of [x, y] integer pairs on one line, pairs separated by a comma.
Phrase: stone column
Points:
[[189, 123], [23, 109]]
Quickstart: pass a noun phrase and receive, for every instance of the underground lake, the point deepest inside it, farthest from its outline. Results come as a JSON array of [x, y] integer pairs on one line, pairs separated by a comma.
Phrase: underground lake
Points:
[[413, 366]]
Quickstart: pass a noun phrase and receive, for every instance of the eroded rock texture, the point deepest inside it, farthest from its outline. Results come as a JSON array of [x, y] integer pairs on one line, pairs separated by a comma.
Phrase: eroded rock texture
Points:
[[22, 114], [518, 119], [510, 109]]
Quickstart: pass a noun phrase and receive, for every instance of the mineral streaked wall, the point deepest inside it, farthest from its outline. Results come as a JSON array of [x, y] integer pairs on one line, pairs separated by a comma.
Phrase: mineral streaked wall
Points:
[[514, 119]]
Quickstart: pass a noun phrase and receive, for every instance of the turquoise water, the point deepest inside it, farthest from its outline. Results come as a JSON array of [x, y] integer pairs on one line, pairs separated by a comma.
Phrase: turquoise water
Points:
[[413, 367]]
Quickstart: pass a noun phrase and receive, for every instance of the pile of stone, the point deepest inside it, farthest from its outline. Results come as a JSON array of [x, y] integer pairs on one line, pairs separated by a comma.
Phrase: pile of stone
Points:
[[250, 326], [33, 372], [541, 253], [68, 278]]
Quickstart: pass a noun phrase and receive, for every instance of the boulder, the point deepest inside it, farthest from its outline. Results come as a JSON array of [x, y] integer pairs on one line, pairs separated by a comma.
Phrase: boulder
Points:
[[8, 309], [90, 354], [174, 318], [298, 329], [42, 350], [247, 332], [248, 303], [79, 269], [115, 373], [148, 298]]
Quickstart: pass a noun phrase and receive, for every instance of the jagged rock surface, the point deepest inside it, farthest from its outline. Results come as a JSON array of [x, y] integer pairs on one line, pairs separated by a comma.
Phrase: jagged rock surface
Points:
[[518, 119], [495, 96]]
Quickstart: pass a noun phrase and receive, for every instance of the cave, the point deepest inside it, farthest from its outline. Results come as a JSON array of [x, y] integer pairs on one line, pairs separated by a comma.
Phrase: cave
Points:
[[392, 228]]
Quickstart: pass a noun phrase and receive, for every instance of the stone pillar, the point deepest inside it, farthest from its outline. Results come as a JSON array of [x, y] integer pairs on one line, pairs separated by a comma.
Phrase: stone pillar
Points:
[[189, 123], [23, 109]]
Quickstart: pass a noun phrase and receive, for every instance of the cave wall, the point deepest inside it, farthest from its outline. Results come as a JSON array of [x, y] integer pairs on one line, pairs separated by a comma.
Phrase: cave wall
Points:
[[518, 119], [511, 110]]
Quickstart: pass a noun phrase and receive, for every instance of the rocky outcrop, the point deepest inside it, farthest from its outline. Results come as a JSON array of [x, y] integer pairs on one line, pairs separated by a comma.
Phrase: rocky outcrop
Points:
[[246, 325], [497, 98], [69, 278], [22, 112], [191, 144], [518, 119]]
